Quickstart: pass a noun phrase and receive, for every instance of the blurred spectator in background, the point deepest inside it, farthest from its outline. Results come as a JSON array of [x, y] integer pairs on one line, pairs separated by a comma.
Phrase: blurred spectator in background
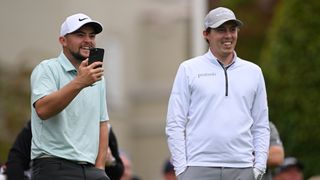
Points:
[[18, 163], [128, 172], [276, 152], [114, 165], [168, 171], [290, 169]]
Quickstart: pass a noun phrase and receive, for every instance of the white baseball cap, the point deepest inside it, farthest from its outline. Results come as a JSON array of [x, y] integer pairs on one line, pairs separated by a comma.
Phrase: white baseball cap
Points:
[[218, 16], [76, 21]]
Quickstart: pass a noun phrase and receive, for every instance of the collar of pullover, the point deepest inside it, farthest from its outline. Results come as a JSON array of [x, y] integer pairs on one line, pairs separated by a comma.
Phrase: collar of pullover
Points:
[[216, 61]]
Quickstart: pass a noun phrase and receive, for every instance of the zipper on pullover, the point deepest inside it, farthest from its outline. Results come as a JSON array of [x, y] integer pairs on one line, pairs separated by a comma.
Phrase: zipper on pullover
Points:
[[226, 79], [225, 76]]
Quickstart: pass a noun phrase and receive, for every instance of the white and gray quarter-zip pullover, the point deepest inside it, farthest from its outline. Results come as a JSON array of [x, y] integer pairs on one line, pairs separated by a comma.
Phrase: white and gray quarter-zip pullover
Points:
[[218, 116]]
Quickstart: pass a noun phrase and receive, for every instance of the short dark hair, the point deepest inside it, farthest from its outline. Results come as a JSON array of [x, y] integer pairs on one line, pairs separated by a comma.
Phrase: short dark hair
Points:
[[208, 30]]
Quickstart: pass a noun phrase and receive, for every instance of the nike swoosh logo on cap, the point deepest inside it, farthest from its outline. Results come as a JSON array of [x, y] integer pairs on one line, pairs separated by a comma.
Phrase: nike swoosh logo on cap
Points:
[[82, 19]]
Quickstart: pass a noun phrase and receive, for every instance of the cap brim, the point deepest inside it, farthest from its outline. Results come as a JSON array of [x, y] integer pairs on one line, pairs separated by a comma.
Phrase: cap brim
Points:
[[96, 26], [219, 23]]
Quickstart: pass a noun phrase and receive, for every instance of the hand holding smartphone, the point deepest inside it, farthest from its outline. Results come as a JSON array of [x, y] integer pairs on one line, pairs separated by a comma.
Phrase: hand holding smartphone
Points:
[[96, 54]]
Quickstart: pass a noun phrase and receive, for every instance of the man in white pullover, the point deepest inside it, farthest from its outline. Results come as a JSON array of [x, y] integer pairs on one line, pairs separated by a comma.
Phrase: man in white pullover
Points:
[[217, 122]]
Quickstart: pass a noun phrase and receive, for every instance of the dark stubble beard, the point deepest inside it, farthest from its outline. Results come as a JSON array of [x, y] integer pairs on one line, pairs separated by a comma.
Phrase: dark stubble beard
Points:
[[78, 56]]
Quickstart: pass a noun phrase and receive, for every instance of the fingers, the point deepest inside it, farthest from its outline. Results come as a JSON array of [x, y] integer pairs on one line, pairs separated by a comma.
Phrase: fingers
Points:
[[97, 70], [84, 63], [89, 74], [97, 73], [94, 69]]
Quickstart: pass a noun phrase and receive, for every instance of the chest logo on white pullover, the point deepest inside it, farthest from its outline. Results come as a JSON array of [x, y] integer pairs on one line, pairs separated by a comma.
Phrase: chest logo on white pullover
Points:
[[206, 74]]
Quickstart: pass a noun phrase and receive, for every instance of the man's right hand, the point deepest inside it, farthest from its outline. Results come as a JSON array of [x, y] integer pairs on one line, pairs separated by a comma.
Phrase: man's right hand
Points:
[[257, 173], [89, 74]]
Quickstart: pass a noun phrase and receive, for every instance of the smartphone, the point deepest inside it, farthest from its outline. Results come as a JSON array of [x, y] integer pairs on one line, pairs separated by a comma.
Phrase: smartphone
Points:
[[96, 54]]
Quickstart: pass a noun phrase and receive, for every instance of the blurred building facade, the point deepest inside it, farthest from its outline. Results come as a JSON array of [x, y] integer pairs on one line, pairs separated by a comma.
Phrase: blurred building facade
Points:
[[145, 41]]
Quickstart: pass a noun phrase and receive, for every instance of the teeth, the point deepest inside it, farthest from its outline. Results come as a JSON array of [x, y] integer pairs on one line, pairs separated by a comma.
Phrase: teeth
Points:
[[87, 48]]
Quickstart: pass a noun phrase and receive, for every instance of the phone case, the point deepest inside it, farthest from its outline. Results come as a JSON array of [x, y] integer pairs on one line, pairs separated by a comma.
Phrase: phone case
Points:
[[96, 54]]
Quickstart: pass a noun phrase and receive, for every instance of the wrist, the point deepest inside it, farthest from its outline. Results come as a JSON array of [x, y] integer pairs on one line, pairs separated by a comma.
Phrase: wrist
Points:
[[100, 166], [77, 84]]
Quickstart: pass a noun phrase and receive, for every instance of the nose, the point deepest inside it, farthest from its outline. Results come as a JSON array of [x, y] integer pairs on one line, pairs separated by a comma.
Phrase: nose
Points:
[[228, 33], [87, 38]]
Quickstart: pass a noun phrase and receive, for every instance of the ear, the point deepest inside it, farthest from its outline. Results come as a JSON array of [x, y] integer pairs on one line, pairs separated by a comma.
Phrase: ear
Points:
[[62, 40], [205, 34]]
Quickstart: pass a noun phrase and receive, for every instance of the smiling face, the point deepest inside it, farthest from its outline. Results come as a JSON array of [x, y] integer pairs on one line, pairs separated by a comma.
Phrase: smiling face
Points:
[[222, 40], [76, 45]]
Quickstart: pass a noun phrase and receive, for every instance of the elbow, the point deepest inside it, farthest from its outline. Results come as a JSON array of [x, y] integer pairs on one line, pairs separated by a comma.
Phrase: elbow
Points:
[[41, 111], [41, 114]]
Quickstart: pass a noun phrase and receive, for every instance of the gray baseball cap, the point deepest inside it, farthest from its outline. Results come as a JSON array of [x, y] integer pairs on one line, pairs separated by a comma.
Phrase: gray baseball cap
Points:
[[218, 16]]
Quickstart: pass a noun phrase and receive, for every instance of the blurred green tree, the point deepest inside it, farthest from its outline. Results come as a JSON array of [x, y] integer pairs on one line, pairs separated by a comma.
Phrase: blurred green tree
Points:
[[291, 63]]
